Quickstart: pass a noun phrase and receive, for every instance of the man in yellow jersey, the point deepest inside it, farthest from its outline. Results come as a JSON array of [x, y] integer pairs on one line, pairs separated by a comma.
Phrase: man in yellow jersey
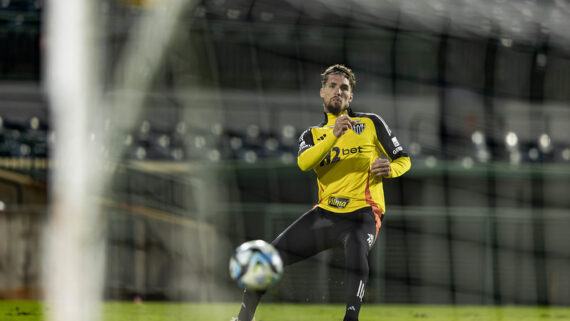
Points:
[[345, 151]]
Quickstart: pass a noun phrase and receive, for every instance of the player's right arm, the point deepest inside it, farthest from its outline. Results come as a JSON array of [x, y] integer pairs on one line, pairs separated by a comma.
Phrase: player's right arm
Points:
[[311, 154]]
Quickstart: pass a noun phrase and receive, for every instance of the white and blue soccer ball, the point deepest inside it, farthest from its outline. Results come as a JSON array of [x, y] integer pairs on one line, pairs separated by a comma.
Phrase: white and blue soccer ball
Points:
[[256, 265]]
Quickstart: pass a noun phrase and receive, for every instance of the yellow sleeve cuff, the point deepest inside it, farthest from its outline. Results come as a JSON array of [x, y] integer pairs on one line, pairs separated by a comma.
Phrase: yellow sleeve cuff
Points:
[[399, 166]]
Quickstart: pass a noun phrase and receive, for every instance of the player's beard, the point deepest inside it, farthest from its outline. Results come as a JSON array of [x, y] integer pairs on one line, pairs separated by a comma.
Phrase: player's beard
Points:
[[334, 107]]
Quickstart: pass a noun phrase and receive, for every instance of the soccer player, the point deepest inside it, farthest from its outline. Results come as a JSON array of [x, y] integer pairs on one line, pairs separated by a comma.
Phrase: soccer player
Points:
[[346, 151]]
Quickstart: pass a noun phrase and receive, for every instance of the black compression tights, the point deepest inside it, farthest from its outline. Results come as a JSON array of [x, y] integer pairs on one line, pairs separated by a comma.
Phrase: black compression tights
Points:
[[316, 231]]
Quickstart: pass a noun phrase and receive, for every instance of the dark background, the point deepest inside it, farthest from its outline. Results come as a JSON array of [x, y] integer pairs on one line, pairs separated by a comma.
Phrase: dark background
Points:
[[476, 221]]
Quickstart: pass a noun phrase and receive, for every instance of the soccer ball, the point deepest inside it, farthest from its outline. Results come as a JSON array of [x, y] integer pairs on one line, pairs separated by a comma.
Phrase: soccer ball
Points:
[[256, 265]]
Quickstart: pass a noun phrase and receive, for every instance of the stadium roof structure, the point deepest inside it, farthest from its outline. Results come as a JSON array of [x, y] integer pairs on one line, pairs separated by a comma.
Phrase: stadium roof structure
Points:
[[520, 21]]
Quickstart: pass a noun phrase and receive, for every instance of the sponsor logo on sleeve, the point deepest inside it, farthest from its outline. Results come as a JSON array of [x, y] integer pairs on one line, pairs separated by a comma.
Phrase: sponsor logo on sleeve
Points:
[[397, 146], [395, 142]]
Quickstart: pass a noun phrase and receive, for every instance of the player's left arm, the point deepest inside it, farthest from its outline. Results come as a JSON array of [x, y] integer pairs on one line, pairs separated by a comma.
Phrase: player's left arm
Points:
[[398, 161], [399, 166]]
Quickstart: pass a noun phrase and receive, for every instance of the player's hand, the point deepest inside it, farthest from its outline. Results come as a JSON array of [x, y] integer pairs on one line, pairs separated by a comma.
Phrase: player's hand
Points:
[[380, 167], [342, 124]]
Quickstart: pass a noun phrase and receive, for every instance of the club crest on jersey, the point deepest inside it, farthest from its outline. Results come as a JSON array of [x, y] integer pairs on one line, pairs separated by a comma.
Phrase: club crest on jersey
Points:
[[358, 128]]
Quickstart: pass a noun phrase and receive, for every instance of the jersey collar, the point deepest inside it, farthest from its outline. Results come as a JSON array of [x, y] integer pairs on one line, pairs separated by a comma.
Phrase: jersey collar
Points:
[[330, 118]]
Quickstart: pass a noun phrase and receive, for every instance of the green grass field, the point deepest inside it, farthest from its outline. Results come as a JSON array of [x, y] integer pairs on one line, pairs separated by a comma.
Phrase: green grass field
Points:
[[114, 311]]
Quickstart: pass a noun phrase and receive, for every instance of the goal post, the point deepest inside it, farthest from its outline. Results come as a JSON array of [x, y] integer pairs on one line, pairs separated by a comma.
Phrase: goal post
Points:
[[74, 257]]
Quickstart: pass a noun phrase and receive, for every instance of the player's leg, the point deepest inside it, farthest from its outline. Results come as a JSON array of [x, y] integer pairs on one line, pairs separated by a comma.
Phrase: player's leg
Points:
[[249, 304], [307, 236], [303, 238], [358, 243]]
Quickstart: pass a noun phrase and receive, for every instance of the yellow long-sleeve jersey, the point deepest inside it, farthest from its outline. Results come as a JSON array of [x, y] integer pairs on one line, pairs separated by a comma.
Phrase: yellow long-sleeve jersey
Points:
[[343, 164]]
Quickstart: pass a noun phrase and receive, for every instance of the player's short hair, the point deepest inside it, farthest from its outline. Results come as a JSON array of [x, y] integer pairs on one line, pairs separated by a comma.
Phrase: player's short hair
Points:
[[339, 70]]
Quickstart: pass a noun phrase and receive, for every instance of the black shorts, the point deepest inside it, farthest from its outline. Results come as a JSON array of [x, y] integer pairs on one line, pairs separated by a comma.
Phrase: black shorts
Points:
[[319, 229]]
